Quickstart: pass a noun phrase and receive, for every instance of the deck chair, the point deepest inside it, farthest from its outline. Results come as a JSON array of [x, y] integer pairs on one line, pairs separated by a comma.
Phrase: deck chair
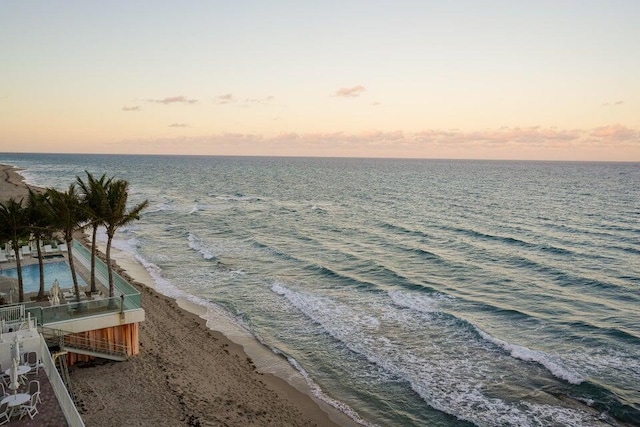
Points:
[[30, 408], [4, 413], [3, 257], [31, 359], [3, 391], [25, 250], [4, 378], [34, 388], [63, 247], [47, 249]]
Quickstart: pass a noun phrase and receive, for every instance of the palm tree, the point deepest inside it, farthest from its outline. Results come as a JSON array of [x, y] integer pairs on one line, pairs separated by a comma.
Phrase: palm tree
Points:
[[40, 218], [14, 224], [69, 217], [116, 215], [94, 198]]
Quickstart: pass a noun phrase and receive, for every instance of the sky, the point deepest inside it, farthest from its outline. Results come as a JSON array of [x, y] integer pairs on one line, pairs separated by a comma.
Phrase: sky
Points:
[[541, 80]]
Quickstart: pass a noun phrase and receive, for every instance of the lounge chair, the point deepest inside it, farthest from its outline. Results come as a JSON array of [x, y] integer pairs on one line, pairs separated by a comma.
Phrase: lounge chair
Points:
[[25, 250], [3, 257], [63, 247], [48, 250]]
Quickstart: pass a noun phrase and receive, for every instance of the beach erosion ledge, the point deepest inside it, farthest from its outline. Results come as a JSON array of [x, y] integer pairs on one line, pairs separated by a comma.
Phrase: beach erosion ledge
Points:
[[185, 373]]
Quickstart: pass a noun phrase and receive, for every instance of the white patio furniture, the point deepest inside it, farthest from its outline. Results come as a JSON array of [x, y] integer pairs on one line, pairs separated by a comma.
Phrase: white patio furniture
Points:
[[14, 400], [30, 408], [4, 413]]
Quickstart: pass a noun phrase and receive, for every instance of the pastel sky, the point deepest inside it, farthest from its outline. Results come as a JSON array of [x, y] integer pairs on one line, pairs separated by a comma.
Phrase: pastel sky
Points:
[[547, 80]]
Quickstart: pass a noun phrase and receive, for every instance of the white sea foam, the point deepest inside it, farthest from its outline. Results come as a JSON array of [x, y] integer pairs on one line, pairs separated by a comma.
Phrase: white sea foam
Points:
[[448, 382], [235, 198], [317, 392], [423, 303], [433, 303], [199, 246], [523, 353]]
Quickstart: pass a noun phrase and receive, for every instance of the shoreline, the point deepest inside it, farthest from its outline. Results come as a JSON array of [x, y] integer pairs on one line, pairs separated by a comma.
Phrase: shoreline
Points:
[[263, 358], [160, 384]]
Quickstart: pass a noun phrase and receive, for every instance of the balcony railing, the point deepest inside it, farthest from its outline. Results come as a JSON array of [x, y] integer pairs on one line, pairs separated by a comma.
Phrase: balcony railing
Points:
[[126, 296]]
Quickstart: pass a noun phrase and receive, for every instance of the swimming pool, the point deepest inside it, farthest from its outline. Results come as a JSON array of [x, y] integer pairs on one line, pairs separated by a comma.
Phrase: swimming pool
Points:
[[31, 276]]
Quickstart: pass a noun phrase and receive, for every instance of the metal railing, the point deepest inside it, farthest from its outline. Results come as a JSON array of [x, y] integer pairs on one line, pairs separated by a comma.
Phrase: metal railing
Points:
[[81, 342]]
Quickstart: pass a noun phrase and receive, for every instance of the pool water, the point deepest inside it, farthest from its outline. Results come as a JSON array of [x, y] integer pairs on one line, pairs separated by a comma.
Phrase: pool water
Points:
[[31, 276]]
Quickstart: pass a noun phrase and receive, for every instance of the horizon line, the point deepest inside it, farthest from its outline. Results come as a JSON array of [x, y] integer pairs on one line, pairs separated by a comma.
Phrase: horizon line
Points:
[[319, 157]]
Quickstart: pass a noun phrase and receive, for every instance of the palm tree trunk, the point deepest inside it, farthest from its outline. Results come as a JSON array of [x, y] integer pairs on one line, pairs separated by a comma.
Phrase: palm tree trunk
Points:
[[108, 255], [93, 258], [74, 277], [41, 265], [16, 252]]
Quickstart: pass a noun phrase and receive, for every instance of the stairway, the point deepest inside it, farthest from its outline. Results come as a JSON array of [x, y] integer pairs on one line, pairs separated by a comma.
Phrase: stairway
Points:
[[74, 343]]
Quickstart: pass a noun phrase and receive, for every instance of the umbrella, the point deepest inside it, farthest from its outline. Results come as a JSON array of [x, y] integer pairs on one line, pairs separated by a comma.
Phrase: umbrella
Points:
[[14, 379], [16, 348], [55, 293]]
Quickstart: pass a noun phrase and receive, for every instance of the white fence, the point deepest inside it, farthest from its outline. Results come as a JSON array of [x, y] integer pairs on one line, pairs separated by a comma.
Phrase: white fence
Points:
[[66, 403]]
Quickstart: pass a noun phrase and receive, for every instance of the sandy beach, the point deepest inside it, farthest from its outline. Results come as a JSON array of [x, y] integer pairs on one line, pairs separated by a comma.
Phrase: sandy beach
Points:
[[185, 374]]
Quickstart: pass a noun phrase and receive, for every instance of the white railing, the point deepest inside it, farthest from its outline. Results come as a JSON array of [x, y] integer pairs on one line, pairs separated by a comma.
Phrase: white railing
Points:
[[12, 313], [62, 394], [13, 318]]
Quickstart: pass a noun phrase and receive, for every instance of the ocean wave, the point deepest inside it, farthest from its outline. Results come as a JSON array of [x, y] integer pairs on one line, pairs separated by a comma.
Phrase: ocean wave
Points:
[[433, 304], [423, 303], [238, 197], [317, 392], [199, 246], [523, 353], [447, 383]]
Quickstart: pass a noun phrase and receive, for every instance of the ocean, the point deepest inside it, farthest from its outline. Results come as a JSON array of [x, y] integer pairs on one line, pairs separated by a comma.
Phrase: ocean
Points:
[[407, 292]]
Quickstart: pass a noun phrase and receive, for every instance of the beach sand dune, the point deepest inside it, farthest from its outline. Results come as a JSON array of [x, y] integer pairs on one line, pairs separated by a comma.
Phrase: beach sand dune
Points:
[[185, 374]]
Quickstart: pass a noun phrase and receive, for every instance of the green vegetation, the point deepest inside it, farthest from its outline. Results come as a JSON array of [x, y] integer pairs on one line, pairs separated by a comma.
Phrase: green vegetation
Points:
[[95, 203]]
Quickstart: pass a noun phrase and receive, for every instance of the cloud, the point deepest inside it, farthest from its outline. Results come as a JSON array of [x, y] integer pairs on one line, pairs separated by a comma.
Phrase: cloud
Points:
[[174, 100], [350, 92], [259, 101], [225, 99], [609, 104], [178, 125], [134, 108], [616, 133], [613, 142]]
